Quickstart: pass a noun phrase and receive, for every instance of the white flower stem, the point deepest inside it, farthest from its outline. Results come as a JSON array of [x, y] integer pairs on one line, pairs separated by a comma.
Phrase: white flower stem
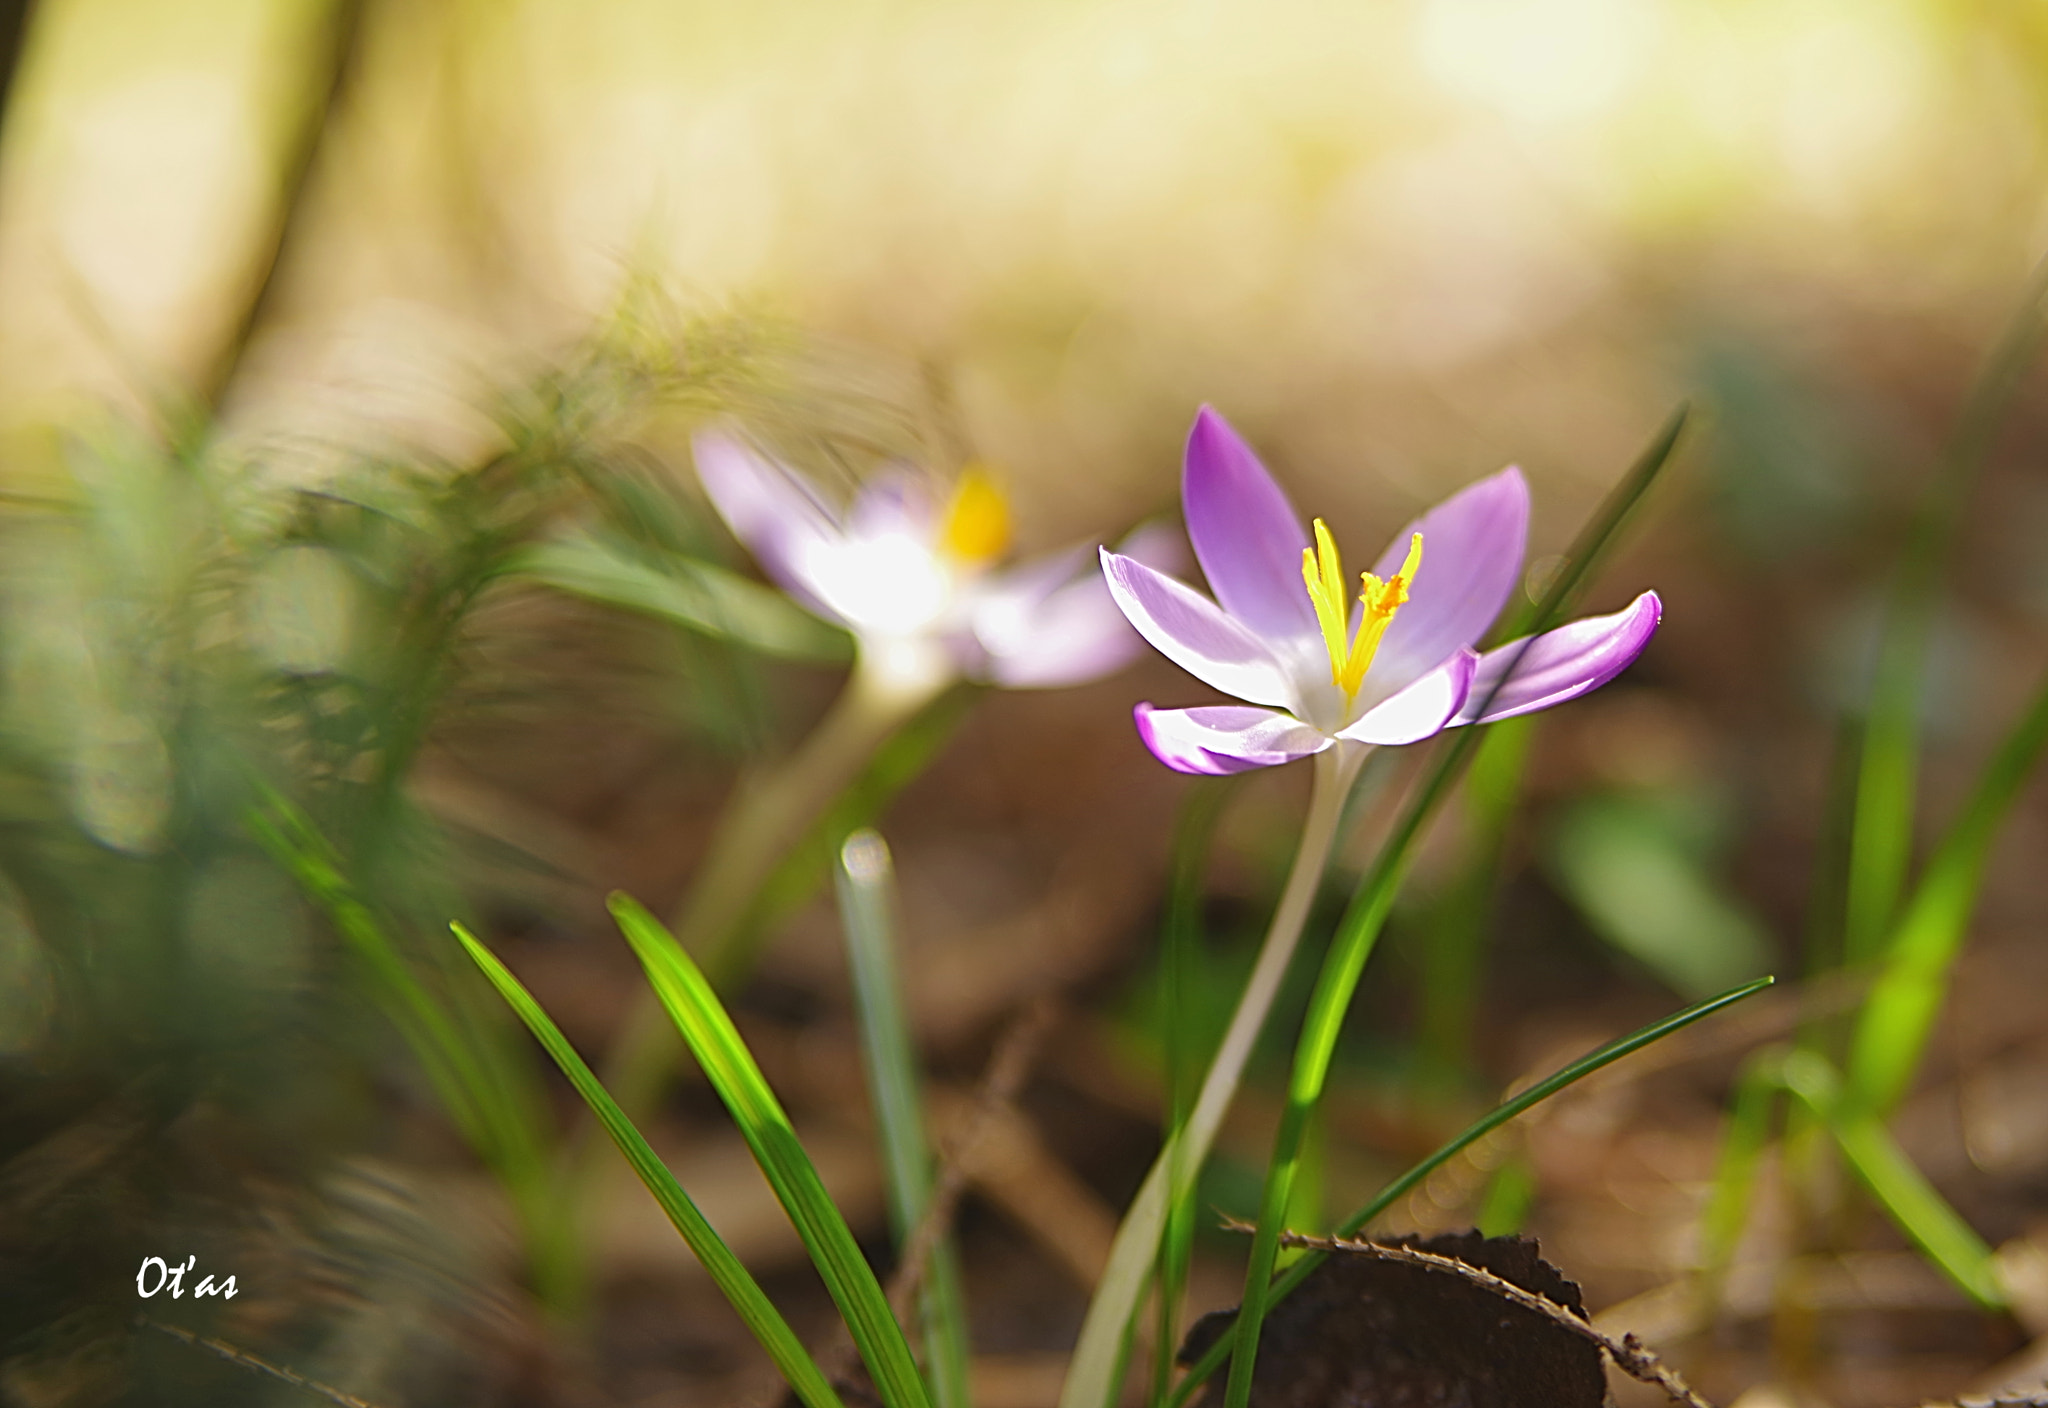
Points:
[[767, 815], [1092, 1373]]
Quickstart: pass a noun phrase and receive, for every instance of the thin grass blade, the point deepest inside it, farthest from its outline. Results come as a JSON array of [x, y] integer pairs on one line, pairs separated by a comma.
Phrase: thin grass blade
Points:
[[1750, 1117], [762, 1319], [1212, 1360], [704, 1024], [1898, 1016], [867, 911], [1185, 1055], [1899, 1187], [1356, 935], [1882, 839]]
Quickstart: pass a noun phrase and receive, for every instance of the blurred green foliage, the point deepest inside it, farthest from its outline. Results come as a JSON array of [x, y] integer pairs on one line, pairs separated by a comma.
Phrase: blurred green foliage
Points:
[[191, 641], [1641, 868]]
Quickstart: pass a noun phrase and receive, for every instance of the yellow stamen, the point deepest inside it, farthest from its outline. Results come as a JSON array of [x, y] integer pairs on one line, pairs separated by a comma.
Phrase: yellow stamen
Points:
[[977, 524], [1323, 573]]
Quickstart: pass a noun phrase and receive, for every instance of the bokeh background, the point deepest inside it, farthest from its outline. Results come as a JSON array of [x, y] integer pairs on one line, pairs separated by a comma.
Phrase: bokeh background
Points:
[[1398, 245]]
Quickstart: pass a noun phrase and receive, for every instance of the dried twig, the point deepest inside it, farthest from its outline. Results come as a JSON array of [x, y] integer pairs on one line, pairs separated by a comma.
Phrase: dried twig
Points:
[[1629, 1354], [247, 1360], [1008, 1069], [2026, 1398]]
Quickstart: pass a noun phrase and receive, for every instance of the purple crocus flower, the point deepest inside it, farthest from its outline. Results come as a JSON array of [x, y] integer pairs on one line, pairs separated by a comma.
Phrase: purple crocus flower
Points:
[[914, 579], [1314, 668]]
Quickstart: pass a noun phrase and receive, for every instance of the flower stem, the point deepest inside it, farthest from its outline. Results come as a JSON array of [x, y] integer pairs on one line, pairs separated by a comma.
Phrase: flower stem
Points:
[[766, 816], [1091, 1377]]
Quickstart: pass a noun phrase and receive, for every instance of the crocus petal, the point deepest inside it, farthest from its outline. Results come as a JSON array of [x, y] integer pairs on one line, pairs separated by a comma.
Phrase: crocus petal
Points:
[[770, 509], [892, 584], [1076, 635], [1247, 537], [1158, 546], [1472, 548], [1192, 631], [1225, 738], [1422, 710], [1036, 626], [894, 502], [1529, 674]]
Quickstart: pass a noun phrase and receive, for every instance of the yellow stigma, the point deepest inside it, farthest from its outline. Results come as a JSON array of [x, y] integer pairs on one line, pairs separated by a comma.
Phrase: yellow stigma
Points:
[[1324, 574], [977, 526]]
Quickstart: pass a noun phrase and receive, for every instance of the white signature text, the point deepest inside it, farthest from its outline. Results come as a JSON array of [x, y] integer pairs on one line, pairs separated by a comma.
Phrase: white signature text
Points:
[[174, 1277]]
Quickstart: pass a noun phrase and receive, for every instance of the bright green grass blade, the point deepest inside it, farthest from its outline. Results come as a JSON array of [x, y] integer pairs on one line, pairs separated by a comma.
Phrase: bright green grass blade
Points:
[[1185, 1049], [1199, 1373], [867, 910], [716, 1043], [1359, 931], [1882, 839], [685, 592], [1305, 1211], [1757, 1091], [1891, 1033], [1921, 1213], [1899, 1187], [646, 1052], [740, 1288]]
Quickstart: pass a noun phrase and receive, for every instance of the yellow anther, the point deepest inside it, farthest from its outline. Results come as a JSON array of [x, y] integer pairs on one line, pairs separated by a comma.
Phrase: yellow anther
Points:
[[1323, 573], [977, 525]]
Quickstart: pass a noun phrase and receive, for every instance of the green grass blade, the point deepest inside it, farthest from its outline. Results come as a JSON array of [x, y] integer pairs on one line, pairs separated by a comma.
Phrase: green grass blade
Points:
[[1882, 838], [1757, 1091], [1185, 1055], [776, 840], [1359, 931], [715, 1041], [1891, 1033], [1590, 547], [867, 911], [1091, 1377], [685, 592], [1899, 1187], [1095, 1368], [762, 1319], [1921, 1213], [1199, 1373]]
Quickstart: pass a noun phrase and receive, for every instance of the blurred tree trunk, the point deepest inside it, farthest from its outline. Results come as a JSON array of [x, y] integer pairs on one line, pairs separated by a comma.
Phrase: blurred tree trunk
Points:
[[333, 57], [13, 31]]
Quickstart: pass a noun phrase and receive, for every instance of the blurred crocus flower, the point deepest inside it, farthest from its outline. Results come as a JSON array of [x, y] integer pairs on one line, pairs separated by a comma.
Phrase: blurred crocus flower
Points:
[[1397, 666], [914, 579]]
